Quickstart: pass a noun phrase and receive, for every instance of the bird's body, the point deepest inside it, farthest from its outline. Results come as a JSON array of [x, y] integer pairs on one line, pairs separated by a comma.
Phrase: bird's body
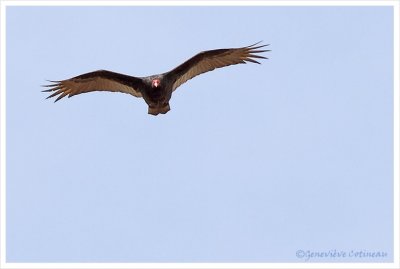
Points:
[[156, 90], [157, 94]]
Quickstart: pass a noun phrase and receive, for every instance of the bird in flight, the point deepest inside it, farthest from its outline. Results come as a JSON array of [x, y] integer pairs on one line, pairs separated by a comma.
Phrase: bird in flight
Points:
[[156, 90]]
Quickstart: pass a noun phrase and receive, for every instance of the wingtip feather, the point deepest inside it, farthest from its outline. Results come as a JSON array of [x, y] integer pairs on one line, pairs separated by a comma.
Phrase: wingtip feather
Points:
[[54, 81], [50, 85], [256, 56], [255, 44], [252, 60]]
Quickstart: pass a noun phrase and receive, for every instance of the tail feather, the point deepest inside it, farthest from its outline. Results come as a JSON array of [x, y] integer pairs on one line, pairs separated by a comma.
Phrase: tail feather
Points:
[[159, 110]]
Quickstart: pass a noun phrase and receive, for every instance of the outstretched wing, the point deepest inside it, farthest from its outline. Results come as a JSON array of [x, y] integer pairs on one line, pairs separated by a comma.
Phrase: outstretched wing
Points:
[[101, 80], [209, 60]]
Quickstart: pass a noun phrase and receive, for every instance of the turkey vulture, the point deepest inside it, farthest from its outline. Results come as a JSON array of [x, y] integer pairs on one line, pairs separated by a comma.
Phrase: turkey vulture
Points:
[[157, 89]]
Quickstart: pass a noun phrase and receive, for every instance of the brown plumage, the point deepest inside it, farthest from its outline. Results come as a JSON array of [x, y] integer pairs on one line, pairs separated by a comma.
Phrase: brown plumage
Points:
[[157, 89]]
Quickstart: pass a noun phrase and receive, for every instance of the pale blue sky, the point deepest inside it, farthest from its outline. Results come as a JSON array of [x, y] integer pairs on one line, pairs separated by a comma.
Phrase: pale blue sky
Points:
[[252, 163]]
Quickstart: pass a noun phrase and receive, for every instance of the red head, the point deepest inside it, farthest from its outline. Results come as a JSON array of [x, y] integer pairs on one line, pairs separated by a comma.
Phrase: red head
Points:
[[155, 83]]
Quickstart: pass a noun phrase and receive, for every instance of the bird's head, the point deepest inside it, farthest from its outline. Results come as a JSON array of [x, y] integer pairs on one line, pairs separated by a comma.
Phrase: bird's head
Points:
[[155, 83]]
